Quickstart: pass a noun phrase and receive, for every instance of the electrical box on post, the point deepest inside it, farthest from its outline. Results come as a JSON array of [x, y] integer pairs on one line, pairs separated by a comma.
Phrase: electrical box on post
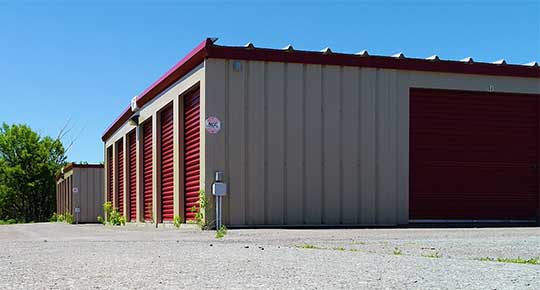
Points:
[[219, 189]]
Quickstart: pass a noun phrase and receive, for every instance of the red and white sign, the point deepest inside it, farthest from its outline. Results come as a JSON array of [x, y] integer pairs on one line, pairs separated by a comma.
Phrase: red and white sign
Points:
[[213, 125]]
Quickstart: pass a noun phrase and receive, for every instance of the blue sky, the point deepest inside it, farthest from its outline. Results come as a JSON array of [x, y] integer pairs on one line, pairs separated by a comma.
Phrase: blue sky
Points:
[[84, 62]]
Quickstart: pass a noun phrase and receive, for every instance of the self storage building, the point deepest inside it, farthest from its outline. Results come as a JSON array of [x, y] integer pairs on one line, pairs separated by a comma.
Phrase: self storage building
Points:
[[326, 138], [79, 191]]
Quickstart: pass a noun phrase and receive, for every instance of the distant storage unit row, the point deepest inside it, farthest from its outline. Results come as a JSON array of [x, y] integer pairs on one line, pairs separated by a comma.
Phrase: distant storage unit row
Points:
[[79, 191], [308, 138]]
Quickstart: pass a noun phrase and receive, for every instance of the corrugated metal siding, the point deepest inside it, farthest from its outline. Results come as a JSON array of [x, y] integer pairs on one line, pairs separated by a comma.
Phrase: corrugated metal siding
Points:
[[132, 165], [304, 144], [318, 144], [147, 170], [191, 154], [120, 175], [70, 194], [167, 159], [110, 166], [89, 197], [472, 155]]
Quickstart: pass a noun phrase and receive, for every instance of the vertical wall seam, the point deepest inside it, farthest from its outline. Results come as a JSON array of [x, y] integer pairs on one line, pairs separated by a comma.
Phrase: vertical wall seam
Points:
[[377, 143], [227, 136], [396, 147], [265, 98], [323, 104], [285, 120], [304, 68], [246, 144], [359, 148], [340, 110]]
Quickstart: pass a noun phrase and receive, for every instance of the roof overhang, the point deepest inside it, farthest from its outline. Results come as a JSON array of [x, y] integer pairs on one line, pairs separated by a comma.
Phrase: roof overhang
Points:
[[72, 165], [207, 49]]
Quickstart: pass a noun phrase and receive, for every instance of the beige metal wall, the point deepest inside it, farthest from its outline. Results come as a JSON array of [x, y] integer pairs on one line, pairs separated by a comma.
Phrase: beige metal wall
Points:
[[90, 195], [313, 144]]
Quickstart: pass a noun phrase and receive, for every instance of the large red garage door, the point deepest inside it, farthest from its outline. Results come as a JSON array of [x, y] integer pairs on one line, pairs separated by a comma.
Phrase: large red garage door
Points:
[[191, 154], [110, 173], [132, 168], [147, 170], [473, 155], [120, 175], [167, 165]]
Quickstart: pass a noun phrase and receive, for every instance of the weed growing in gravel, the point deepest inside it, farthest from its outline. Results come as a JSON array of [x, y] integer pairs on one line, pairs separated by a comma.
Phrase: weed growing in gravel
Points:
[[518, 260], [199, 218], [397, 251], [221, 232], [177, 221], [101, 220], [339, 248], [53, 218], [433, 255]]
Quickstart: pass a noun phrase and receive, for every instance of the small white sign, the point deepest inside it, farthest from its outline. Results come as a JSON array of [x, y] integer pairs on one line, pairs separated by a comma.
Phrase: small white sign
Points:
[[75, 190], [213, 125], [77, 210]]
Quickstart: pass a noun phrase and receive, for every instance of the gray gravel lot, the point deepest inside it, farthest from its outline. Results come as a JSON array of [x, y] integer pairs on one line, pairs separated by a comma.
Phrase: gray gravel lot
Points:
[[61, 256]]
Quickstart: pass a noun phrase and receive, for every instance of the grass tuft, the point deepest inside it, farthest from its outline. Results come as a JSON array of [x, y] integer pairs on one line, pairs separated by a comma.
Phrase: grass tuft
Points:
[[433, 255], [308, 246], [518, 260]]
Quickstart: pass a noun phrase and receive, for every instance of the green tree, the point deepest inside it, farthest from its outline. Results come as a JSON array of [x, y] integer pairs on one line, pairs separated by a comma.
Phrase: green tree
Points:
[[28, 164]]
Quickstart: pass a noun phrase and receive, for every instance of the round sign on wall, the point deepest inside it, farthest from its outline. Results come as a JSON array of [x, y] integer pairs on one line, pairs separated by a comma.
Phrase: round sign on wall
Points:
[[213, 125]]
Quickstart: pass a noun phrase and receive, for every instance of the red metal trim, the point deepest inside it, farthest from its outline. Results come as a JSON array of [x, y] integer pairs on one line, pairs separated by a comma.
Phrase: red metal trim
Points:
[[186, 64], [167, 164], [207, 49], [312, 57], [191, 148], [147, 199]]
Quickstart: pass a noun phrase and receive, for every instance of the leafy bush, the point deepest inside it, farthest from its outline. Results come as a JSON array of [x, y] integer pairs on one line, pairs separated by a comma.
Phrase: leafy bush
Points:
[[177, 221], [112, 216], [69, 218], [8, 222], [60, 218], [101, 220], [107, 207], [54, 218]]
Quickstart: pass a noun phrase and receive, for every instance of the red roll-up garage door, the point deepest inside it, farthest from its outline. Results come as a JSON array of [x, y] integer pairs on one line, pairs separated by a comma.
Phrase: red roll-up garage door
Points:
[[120, 175], [473, 155], [147, 170], [110, 174], [167, 163], [191, 154], [132, 167]]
